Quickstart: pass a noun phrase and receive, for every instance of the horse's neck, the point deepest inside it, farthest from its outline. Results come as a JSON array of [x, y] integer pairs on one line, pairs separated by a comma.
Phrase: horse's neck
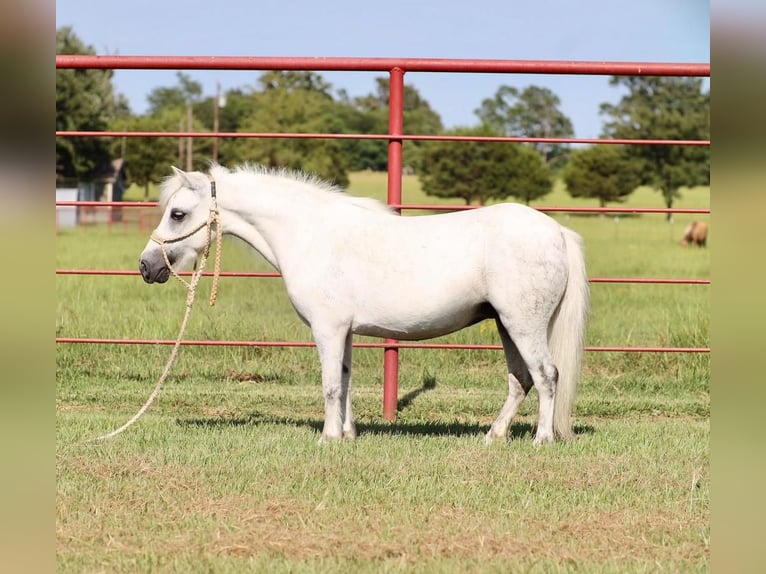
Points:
[[266, 213]]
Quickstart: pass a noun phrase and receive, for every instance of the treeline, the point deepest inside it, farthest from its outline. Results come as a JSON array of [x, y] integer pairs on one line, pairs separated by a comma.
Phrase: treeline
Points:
[[303, 102]]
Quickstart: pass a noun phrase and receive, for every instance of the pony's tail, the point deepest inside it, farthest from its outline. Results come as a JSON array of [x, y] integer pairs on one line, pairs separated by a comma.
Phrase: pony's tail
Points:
[[566, 335]]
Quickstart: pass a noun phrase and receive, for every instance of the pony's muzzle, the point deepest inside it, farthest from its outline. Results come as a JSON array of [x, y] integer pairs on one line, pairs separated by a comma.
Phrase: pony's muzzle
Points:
[[153, 273]]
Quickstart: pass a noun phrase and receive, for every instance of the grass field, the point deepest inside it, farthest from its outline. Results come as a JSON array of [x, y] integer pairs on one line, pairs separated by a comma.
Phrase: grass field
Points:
[[223, 474]]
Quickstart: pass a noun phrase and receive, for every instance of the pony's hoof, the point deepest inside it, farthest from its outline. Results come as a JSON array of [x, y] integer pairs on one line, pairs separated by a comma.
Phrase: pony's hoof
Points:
[[541, 440], [490, 438], [350, 434], [326, 439]]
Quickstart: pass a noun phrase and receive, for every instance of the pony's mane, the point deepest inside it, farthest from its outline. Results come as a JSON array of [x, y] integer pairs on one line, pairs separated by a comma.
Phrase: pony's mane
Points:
[[307, 183]]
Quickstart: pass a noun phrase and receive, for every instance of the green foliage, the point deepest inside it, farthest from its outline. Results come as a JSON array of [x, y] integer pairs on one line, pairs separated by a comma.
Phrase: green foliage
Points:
[[601, 171], [663, 108], [147, 159], [292, 102], [364, 115], [479, 171], [231, 118], [418, 118], [186, 93], [170, 109], [85, 101], [532, 112], [531, 179], [369, 115]]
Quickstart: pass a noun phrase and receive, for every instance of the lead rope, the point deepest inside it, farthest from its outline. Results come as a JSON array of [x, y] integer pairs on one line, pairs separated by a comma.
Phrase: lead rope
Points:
[[212, 220]]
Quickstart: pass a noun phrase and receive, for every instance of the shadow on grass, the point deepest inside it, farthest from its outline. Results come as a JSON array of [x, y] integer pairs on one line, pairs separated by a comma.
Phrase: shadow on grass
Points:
[[429, 382], [518, 431], [424, 428]]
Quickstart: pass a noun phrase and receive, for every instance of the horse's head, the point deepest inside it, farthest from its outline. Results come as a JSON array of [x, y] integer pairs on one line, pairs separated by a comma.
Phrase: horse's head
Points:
[[186, 202]]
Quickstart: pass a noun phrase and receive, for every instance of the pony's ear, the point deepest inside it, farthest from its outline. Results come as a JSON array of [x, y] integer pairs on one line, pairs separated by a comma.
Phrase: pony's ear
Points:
[[191, 180], [182, 175]]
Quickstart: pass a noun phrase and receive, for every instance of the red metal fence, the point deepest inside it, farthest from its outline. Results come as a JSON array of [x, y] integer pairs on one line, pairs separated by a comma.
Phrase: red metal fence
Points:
[[396, 69]]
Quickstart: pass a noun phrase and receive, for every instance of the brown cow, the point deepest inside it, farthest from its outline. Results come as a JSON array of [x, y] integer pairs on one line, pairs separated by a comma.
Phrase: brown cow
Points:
[[695, 234]]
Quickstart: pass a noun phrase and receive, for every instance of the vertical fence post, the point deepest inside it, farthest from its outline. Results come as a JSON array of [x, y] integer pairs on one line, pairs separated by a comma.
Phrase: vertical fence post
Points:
[[395, 127]]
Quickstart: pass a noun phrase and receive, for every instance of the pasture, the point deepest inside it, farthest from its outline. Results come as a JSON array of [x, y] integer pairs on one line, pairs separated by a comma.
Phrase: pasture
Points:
[[223, 474]]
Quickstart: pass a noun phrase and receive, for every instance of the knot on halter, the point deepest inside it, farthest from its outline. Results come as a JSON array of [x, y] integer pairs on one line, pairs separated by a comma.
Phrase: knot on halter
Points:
[[213, 219]]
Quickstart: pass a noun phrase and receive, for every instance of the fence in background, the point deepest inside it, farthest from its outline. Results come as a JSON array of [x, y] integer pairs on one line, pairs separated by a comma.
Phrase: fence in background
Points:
[[396, 69]]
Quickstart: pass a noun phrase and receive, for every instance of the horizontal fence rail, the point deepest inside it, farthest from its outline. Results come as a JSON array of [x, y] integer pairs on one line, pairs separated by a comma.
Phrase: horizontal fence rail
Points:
[[425, 207], [396, 68], [357, 345], [124, 272], [467, 65], [413, 137]]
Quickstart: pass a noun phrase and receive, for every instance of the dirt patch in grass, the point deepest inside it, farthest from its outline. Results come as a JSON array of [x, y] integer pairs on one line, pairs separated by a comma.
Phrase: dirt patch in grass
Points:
[[285, 529], [252, 377]]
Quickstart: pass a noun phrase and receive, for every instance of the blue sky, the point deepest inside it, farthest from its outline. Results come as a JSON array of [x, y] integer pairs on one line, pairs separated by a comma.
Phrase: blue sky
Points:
[[604, 30]]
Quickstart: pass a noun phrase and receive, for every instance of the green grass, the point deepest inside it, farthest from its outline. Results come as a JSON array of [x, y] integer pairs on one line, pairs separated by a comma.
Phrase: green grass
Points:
[[223, 474]]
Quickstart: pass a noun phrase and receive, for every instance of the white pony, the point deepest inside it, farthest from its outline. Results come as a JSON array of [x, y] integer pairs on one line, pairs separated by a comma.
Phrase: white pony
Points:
[[351, 265]]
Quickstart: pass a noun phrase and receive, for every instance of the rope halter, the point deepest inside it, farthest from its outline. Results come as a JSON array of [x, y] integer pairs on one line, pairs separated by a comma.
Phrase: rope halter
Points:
[[213, 220]]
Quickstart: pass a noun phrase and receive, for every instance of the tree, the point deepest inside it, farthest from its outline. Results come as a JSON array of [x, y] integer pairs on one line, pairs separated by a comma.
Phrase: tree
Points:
[[186, 93], [364, 115], [533, 112], [370, 113], [178, 103], [298, 102], [603, 172], [479, 171], [663, 108], [419, 118], [532, 177], [231, 118], [148, 159], [85, 101]]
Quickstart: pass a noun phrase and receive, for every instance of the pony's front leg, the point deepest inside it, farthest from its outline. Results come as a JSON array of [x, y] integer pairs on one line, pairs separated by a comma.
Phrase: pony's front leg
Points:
[[331, 345], [349, 427]]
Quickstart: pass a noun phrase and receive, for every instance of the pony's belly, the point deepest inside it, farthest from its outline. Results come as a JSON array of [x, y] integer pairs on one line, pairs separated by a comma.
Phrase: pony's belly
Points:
[[423, 327]]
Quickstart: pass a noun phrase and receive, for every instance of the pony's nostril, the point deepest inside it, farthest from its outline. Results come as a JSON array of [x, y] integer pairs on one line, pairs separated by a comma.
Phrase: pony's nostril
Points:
[[163, 275], [144, 269]]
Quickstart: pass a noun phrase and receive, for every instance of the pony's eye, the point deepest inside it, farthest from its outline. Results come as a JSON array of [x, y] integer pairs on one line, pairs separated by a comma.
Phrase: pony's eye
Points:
[[177, 215]]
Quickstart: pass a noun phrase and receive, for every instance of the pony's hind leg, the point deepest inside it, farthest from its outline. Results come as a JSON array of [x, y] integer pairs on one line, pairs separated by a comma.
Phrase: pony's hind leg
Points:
[[545, 376], [532, 345], [519, 384]]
